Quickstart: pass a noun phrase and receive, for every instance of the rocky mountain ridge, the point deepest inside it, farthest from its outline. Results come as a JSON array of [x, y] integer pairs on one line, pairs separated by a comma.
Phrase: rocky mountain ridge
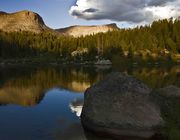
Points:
[[30, 21], [22, 21], [78, 31]]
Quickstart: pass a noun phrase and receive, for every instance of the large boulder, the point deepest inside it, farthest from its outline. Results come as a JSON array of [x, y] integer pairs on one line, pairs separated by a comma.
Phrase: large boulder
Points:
[[120, 105]]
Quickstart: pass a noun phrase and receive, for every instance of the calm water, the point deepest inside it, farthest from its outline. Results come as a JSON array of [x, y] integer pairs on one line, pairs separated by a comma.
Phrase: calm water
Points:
[[43, 103]]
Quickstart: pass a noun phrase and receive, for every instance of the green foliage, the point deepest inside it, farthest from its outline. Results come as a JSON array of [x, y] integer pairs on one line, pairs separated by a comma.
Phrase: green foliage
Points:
[[171, 45], [161, 37]]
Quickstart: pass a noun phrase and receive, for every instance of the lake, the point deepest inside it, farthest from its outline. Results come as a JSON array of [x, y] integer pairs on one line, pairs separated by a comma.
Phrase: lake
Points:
[[44, 103]]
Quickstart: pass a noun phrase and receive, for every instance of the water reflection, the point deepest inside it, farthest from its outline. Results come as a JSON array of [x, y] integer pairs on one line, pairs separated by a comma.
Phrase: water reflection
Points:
[[154, 76], [26, 86], [76, 106], [27, 89], [51, 93], [159, 77], [24, 96], [75, 131]]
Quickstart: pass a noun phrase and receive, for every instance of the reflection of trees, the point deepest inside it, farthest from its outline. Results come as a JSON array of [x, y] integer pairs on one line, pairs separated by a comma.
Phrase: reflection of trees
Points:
[[73, 79], [159, 77], [21, 96], [26, 86], [155, 77]]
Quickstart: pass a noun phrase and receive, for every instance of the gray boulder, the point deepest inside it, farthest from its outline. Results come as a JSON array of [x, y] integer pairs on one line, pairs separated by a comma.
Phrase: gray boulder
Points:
[[120, 105]]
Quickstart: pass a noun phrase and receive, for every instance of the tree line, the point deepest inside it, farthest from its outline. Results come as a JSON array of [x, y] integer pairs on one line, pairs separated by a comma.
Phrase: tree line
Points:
[[160, 39]]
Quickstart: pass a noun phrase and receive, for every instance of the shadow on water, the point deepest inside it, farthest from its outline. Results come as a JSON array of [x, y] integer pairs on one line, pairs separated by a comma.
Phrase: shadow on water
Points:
[[27, 86], [75, 131]]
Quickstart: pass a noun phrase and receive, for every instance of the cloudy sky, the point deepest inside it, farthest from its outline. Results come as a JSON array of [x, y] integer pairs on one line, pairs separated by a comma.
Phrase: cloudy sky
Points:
[[126, 13]]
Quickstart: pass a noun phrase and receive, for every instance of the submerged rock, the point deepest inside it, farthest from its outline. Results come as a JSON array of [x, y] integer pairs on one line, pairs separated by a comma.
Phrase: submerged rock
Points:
[[120, 105], [169, 92], [168, 99]]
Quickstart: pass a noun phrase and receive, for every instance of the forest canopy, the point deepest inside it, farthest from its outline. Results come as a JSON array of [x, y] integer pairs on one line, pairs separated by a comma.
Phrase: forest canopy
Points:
[[161, 38]]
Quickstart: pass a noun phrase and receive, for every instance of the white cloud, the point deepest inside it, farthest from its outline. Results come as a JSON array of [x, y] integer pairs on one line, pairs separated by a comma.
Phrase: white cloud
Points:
[[134, 11]]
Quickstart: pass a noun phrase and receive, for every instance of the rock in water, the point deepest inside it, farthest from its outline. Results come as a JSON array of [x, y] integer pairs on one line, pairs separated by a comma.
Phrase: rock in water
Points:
[[120, 105], [169, 92]]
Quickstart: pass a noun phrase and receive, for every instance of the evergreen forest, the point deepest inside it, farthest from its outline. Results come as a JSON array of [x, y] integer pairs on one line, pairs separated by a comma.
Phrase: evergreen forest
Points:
[[161, 39]]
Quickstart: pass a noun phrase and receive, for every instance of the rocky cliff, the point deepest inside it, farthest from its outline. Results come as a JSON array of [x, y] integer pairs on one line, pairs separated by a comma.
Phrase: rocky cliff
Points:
[[22, 21]]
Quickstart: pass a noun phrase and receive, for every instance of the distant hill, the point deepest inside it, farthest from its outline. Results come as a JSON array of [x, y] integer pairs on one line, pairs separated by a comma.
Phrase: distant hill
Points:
[[77, 31], [22, 21]]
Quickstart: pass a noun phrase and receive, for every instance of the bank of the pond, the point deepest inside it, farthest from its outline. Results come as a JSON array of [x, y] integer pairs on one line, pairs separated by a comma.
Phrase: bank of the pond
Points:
[[115, 61]]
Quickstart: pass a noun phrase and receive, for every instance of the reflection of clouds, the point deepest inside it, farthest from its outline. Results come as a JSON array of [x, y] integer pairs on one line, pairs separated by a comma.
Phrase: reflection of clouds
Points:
[[76, 106]]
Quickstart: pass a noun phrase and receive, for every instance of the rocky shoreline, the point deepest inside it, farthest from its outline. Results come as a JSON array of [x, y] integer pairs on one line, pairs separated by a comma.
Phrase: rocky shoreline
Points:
[[54, 61], [16, 62]]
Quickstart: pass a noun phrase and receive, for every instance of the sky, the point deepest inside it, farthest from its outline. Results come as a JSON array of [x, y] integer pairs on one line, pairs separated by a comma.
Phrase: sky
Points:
[[126, 13]]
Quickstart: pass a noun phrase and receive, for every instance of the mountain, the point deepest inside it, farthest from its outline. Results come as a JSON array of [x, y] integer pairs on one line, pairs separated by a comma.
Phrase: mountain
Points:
[[33, 22], [22, 21], [78, 31]]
